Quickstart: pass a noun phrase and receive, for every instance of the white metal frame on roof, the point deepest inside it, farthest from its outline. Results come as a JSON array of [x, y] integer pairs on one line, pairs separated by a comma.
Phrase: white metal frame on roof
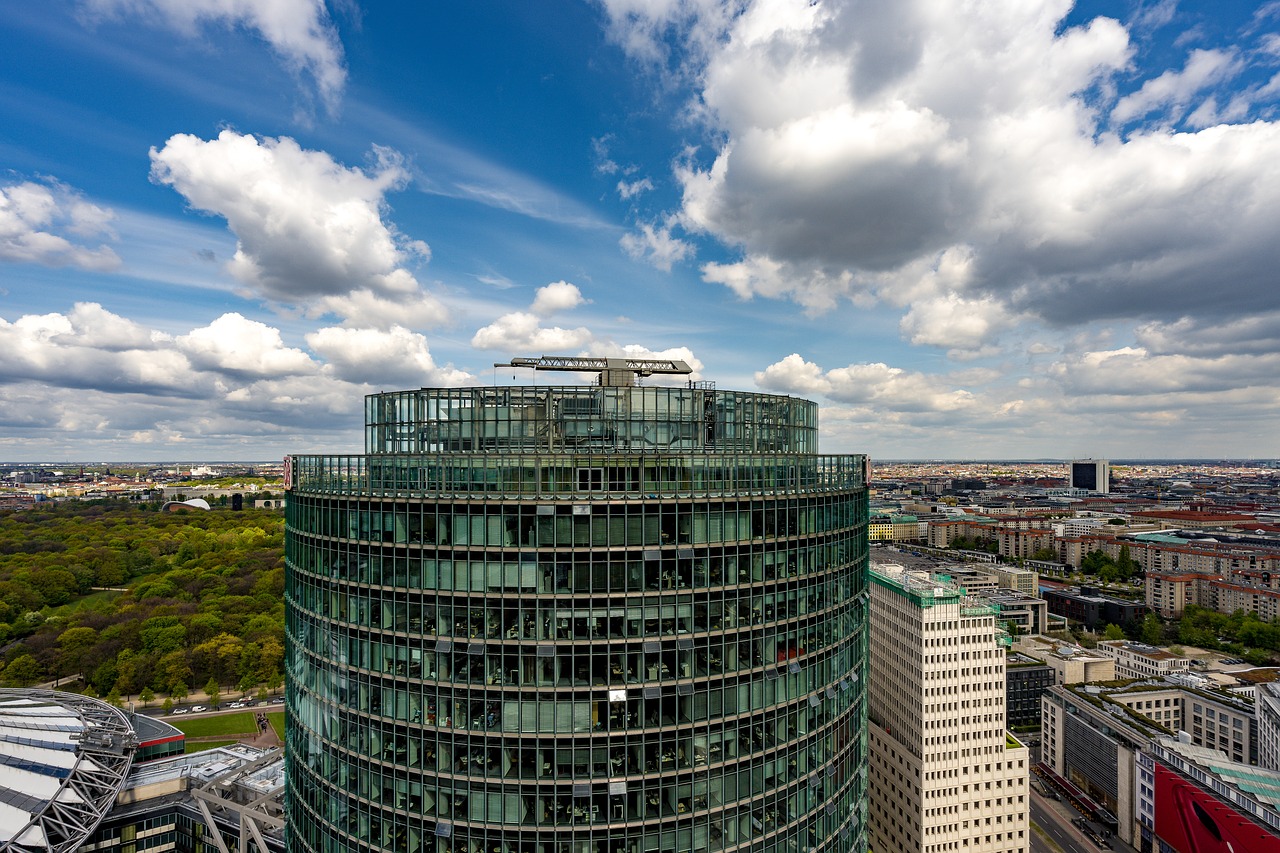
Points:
[[105, 743]]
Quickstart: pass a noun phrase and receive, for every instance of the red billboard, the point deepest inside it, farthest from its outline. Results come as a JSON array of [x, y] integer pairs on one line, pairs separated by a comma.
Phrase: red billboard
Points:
[[1190, 820]]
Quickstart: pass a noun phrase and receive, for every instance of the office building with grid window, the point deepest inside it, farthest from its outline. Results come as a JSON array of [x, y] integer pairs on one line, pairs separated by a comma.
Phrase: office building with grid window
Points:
[[604, 618], [945, 774]]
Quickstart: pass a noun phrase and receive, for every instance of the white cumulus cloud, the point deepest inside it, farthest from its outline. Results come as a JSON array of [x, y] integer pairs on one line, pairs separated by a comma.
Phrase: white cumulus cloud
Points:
[[232, 387], [306, 226], [523, 332], [891, 389], [382, 357], [556, 297], [859, 145], [955, 323], [44, 223], [236, 344]]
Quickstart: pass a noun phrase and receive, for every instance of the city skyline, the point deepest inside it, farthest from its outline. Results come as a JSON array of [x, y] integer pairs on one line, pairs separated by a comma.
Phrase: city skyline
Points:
[[222, 224]]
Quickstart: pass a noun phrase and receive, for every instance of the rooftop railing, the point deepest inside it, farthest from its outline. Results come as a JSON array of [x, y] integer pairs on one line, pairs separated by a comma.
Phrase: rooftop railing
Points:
[[589, 476]]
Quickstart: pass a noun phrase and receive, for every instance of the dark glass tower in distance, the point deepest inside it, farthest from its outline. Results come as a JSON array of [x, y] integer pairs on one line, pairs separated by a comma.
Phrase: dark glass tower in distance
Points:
[[578, 619]]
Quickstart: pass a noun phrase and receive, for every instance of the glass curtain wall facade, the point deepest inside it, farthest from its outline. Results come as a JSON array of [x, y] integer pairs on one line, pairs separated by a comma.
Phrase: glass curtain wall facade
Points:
[[578, 619]]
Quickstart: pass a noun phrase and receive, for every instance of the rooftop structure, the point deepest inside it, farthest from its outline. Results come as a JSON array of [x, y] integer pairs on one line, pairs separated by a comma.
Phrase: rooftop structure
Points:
[[1028, 613], [179, 801], [1090, 607], [1204, 716], [1024, 581], [64, 759], [1194, 798], [613, 372], [1139, 660], [1071, 664]]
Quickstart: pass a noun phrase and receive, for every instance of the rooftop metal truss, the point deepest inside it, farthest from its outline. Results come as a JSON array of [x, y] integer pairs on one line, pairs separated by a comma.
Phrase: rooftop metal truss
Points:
[[613, 371], [105, 746], [223, 803]]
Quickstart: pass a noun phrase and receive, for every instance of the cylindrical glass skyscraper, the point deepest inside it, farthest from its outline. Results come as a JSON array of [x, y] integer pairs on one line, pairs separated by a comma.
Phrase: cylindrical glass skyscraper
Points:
[[578, 619]]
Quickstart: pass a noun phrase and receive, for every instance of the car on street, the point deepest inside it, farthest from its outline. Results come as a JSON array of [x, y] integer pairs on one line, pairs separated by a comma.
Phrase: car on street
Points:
[[196, 709], [181, 711]]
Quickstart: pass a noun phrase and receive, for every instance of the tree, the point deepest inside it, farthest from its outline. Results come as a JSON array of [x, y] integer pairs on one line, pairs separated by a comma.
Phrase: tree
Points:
[[146, 696], [270, 660], [214, 692], [1093, 562], [104, 677], [1125, 563], [219, 657], [1257, 657], [167, 705], [126, 671], [113, 698], [162, 634], [1152, 629], [1256, 633], [75, 644], [1113, 632], [57, 585], [22, 671], [179, 692], [171, 670]]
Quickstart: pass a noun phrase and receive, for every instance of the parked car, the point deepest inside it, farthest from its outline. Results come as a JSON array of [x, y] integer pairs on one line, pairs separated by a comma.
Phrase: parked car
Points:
[[238, 705], [180, 711], [196, 709], [279, 700]]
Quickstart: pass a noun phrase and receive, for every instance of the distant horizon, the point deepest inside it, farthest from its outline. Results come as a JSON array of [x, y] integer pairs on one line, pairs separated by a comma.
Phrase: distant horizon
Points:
[[1216, 460]]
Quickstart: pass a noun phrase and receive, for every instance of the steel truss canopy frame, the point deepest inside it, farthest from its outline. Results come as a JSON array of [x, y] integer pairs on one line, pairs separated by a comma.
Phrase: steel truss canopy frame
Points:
[[613, 371], [263, 812], [63, 760]]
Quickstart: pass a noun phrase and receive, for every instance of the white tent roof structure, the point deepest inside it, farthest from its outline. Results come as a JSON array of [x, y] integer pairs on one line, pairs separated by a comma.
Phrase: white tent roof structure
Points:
[[63, 760]]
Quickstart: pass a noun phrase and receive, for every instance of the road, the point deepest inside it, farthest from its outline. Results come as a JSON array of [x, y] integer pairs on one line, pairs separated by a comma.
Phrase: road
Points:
[[1062, 837]]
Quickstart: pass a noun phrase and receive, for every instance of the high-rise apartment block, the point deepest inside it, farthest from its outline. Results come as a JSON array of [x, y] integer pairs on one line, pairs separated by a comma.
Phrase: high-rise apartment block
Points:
[[578, 619], [1091, 475], [945, 775]]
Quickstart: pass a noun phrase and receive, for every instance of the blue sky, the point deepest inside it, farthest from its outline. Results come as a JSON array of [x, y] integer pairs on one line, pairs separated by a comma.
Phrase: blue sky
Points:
[[1022, 229]]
